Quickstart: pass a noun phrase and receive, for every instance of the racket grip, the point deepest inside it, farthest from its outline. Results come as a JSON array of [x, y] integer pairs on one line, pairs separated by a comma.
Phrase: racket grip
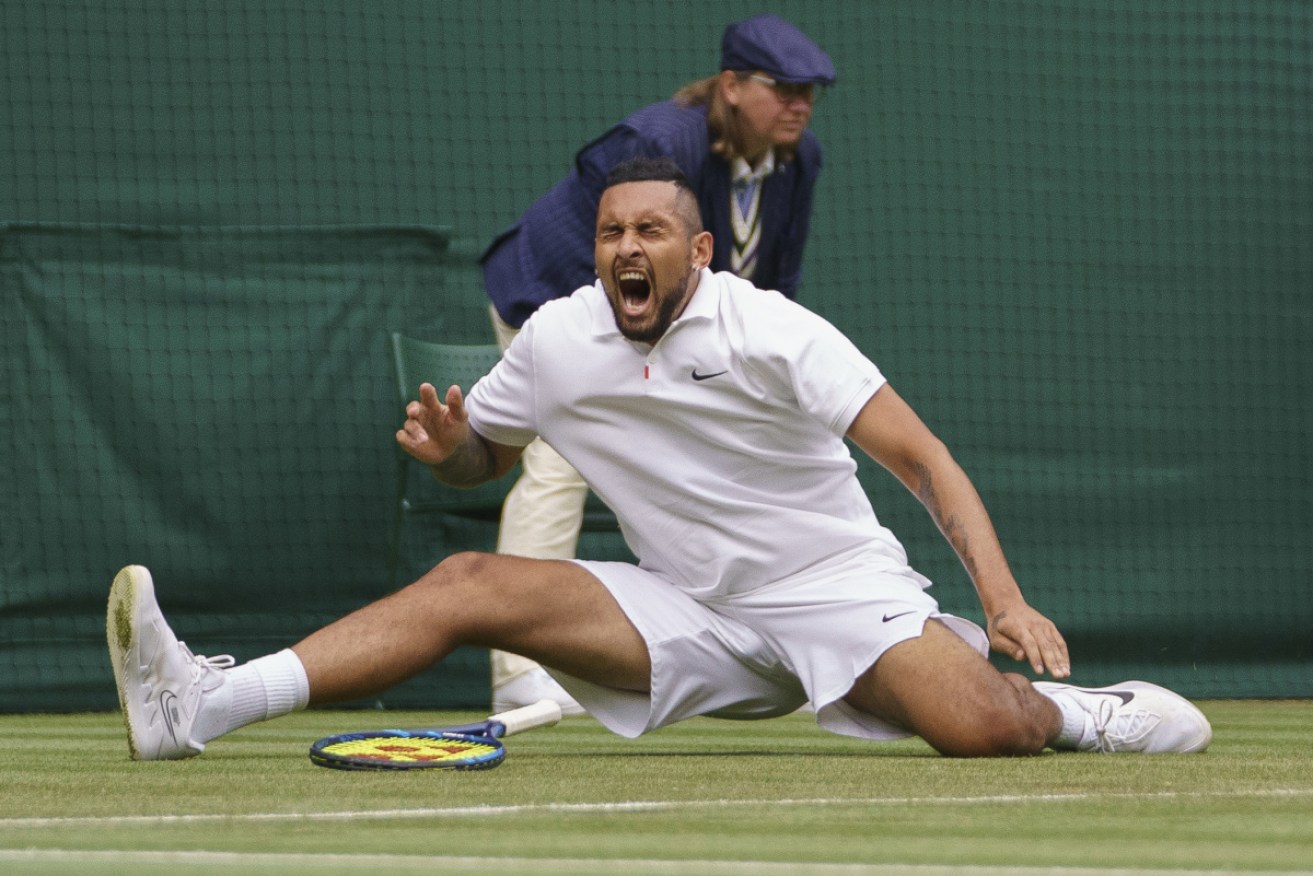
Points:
[[543, 713]]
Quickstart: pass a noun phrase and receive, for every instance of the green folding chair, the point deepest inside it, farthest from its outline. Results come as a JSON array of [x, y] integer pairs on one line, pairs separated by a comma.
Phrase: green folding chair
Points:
[[415, 362]]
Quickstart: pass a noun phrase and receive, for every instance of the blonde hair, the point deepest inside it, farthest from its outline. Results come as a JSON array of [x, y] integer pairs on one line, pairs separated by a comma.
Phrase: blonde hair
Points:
[[722, 118]]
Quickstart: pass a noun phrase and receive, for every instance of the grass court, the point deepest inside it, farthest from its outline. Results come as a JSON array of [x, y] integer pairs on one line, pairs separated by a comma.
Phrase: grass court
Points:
[[706, 796]]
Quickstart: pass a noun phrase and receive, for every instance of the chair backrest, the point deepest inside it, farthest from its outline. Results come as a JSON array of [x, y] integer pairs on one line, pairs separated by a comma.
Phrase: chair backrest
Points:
[[415, 362]]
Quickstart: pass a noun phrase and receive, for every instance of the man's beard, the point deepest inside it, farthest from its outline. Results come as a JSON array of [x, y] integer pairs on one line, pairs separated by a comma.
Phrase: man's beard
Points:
[[668, 307]]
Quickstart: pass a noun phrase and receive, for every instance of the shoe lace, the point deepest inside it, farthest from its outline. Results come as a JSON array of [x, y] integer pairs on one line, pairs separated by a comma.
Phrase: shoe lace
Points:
[[1102, 717], [203, 663], [1113, 726]]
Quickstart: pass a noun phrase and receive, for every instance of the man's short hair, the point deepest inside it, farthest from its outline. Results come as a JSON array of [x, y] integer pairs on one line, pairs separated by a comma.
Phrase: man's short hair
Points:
[[647, 169], [661, 169]]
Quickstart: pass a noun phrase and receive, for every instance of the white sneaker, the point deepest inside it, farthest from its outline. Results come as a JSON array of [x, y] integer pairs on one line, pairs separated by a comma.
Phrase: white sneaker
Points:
[[161, 682], [1135, 716], [528, 688]]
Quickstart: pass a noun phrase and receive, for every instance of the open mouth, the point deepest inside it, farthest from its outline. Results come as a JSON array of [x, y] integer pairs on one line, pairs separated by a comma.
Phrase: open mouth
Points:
[[635, 289]]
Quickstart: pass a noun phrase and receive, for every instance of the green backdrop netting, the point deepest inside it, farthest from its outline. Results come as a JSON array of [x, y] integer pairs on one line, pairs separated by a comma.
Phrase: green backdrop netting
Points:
[[1076, 238]]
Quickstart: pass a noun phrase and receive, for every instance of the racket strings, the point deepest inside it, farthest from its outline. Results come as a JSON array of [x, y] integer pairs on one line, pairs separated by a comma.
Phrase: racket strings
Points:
[[411, 749]]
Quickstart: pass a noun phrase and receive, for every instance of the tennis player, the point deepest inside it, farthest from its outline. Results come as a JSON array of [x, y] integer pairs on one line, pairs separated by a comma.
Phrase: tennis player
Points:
[[711, 416], [743, 139]]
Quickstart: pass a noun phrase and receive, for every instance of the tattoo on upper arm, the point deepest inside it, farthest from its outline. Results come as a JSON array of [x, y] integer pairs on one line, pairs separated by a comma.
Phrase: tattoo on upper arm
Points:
[[948, 524]]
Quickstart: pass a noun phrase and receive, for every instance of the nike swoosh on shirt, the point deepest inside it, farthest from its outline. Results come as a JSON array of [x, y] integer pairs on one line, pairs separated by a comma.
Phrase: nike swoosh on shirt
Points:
[[889, 617], [701, 377]]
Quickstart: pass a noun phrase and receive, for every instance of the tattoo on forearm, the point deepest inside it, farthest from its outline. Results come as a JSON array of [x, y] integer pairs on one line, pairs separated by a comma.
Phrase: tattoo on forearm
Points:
[[948, 524], [469, 466], [997, 619]]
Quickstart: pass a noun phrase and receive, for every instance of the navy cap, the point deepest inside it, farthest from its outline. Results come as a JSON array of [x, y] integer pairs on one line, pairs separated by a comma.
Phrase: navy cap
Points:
[[772, 45]]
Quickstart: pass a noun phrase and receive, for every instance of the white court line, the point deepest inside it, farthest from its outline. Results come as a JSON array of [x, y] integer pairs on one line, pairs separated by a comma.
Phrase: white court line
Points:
[[487, 809], [447, 863]]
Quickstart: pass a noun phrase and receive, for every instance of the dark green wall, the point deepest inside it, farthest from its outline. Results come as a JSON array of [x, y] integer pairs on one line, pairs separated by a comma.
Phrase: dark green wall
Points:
[[1075, 235]]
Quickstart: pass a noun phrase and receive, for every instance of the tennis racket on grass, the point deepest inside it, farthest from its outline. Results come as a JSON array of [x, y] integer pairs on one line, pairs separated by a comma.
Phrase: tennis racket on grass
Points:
[[467, 747]]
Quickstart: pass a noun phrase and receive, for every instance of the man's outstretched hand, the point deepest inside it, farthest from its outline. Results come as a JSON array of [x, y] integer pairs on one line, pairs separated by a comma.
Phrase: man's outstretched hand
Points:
[[433, 431]]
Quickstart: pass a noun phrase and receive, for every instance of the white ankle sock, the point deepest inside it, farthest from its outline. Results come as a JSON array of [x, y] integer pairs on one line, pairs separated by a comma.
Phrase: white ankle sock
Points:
[[1074, 721], [266, 688]]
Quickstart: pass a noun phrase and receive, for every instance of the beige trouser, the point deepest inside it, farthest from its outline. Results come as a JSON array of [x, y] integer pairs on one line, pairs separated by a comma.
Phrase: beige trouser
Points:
[[541, 517]]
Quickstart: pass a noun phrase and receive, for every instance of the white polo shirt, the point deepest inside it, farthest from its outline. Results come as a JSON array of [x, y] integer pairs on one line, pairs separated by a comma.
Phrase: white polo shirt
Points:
[[720, 448]]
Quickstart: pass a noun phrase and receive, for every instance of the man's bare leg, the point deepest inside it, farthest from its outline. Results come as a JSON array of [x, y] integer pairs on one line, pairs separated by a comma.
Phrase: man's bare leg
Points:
[[174, 701], [938, 687], [552, 611]]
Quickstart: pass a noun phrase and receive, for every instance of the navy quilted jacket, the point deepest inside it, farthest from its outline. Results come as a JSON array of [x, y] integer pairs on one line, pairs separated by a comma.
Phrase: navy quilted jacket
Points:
[[548, 252]]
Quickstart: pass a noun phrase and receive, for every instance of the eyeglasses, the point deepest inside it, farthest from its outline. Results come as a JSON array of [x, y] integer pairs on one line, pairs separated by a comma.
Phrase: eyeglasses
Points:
[[788, 92]]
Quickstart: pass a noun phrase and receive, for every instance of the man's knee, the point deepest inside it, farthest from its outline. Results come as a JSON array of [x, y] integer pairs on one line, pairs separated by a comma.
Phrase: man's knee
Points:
[[1001, 722], [941, 689], [464, 589], [466, 568]]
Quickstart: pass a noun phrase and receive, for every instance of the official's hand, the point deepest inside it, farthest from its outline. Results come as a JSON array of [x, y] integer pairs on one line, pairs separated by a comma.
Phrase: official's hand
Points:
[[433, 430], [1025, 635]]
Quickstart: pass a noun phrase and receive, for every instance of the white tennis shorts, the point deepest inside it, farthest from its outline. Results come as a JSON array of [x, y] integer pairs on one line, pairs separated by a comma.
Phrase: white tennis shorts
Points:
[[768, 652]]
